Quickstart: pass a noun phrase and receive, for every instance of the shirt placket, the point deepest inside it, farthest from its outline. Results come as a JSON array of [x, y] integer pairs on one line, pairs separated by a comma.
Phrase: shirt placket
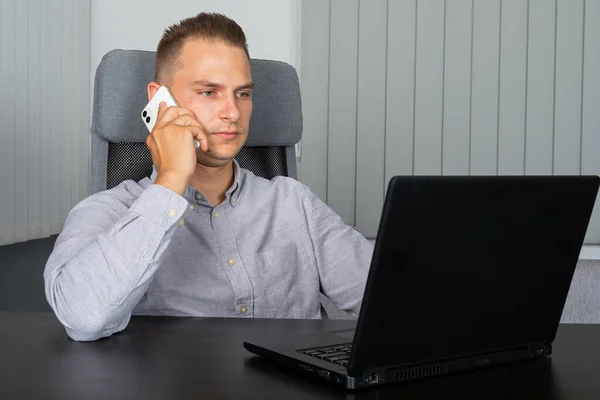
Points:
[[232, 262]]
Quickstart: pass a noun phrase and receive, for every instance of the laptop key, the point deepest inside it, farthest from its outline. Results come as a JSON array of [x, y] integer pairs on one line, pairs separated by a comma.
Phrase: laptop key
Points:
[[322, 356], [338, 358], [336, 354], [313, 352]]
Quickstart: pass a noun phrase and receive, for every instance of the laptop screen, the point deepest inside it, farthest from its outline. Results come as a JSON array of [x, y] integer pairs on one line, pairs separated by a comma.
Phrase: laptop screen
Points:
[[468, 265]]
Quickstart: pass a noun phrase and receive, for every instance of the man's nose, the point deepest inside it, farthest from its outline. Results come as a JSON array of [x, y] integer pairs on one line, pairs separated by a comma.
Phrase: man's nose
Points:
[[230, 111]]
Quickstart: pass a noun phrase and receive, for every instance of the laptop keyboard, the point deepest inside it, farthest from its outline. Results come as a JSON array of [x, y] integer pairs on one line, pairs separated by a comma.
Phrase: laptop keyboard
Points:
[[336, 354]]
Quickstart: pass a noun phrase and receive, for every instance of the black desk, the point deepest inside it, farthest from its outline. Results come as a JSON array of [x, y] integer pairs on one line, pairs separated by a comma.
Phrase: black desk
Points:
[[177, 358]]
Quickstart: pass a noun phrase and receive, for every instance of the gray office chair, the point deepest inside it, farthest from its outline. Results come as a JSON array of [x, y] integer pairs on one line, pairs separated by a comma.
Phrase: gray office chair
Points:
[[119, 152]]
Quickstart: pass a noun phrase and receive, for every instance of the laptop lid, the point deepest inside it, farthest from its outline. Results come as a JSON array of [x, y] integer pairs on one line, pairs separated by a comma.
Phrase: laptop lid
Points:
[[470, 265]]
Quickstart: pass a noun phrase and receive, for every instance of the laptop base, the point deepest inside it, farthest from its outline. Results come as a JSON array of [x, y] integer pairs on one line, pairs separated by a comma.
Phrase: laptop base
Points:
[[394, 374]]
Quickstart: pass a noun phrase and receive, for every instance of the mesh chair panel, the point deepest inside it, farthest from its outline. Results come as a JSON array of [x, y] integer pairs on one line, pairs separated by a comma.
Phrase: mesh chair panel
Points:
[[127, 161], [265, 161], [133, 161]]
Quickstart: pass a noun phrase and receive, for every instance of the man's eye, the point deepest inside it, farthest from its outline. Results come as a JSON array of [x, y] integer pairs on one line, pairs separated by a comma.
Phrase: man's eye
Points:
[[207, 93], [244, 95]]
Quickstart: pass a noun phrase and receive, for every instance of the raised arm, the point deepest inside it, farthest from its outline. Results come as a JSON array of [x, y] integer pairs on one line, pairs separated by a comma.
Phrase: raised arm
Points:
[[112, 243]]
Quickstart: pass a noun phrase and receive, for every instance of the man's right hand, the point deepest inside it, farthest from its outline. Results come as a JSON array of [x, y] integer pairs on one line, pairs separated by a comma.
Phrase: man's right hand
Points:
[[171, 144]]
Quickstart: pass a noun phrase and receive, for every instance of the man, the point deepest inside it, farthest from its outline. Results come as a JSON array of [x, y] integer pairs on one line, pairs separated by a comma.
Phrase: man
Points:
[[202, 236]]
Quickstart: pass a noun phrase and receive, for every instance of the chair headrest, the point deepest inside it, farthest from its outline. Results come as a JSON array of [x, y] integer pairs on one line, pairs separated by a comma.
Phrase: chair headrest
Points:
[[120, 94]]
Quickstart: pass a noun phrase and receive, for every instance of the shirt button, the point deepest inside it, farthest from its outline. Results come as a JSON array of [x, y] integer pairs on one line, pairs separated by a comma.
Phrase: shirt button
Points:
[[180, 223], [244, 309], [231, 261], [233, 201], [217, 215], [199, 196], [192, 207], [172, 213]]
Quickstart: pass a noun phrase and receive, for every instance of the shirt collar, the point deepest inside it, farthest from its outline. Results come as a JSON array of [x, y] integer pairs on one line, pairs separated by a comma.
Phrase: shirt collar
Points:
[[231, 195]]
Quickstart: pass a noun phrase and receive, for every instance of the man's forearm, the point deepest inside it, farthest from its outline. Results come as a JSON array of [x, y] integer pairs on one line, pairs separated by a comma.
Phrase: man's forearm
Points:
[[100, 269]]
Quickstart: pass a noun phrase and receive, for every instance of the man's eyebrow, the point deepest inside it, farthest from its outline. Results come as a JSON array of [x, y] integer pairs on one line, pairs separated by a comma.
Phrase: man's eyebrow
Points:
[[215, 85], [205, 83], [249, 85]]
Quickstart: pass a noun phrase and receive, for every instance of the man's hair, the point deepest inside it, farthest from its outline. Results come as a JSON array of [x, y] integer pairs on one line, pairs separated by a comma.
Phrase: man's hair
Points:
[[208, 26]]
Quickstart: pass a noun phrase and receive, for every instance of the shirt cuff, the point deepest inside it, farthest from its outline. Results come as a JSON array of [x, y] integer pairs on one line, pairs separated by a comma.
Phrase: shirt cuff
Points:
[[160, 205]]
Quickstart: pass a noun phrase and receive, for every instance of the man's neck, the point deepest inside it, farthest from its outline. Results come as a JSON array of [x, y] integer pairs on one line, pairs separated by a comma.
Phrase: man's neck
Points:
[[213, 182]]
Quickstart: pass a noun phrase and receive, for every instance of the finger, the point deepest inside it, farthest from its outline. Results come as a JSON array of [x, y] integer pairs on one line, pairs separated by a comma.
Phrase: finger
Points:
[[170, 114], [203, 144], [195, 131], [200, 136], [162, 107], [185, 120]]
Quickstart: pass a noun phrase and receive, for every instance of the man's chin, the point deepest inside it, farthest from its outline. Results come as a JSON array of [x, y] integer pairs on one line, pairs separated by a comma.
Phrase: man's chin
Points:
[[216, 160]]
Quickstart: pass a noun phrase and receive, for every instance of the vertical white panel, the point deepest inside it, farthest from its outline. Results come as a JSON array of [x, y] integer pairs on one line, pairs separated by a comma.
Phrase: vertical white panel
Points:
[[7, 122], [21, 117], [400, 94], [44, 113], [66, 108], [83, 65], [567, 114], [370, 123], [513, 82], [45, 118], [343, 67], [76, 30], [540, 87], [590, 134], [315, 92], [429, 85], [484, 89], [478, 87], [34, 100], [56, 109], [457, 87]]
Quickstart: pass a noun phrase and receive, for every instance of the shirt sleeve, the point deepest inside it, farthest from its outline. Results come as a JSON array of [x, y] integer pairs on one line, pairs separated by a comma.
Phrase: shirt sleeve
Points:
[[105, 257], [343, 254]]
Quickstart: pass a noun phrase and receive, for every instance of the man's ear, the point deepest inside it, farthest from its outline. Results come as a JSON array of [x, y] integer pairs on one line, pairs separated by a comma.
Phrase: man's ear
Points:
[[152, 88]]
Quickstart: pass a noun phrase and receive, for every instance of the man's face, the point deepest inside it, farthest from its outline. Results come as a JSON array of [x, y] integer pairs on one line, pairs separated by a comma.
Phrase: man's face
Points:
[[213, 80]]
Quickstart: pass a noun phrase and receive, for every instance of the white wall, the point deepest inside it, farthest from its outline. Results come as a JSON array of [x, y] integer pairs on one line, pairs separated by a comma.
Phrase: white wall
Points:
[[272, 27]]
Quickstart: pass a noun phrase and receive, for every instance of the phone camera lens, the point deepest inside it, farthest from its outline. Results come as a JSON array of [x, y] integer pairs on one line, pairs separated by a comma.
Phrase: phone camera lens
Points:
[[144, 114], [148, 119]]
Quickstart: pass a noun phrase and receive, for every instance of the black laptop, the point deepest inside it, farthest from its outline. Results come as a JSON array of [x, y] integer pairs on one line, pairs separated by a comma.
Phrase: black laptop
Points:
[[466, 272]]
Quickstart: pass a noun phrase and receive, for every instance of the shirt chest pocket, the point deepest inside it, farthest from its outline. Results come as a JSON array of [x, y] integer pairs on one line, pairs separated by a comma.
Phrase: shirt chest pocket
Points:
[[291, 281]]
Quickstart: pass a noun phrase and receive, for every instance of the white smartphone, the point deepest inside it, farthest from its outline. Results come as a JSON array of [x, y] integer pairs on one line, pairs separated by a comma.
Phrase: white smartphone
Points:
[[150, 112]]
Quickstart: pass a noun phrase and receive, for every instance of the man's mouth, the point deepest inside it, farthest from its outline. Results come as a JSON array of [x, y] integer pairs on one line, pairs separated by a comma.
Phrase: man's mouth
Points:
[[226, 135]]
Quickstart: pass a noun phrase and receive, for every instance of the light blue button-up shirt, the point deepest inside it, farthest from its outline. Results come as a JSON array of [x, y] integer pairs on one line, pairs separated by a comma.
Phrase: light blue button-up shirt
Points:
[[267, 251]]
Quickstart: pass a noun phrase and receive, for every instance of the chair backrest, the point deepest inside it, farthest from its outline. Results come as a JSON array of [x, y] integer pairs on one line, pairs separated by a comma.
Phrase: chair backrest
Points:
[[118, 146]]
